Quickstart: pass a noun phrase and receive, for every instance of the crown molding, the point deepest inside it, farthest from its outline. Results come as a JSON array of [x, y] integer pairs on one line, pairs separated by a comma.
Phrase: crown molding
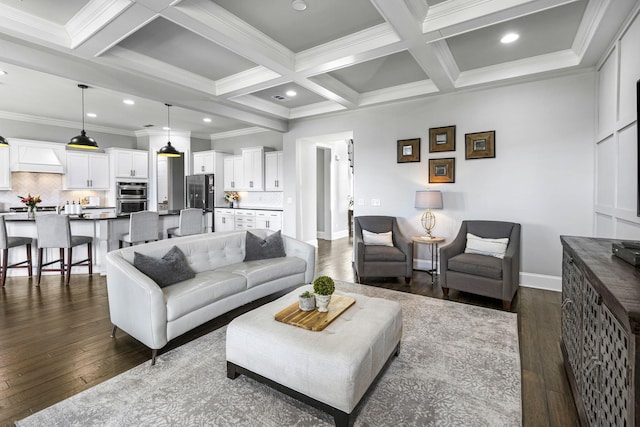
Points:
[[160, 132], [238, 132], [316, 109], [93, 17], [591, 19], [62, 123], [251, 77], [446, 59], [262, 105], [521, 68], [31, 27], [341, 52], [397, 93]]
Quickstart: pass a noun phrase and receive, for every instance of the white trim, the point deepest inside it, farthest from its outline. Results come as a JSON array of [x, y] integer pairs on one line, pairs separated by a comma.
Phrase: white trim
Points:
[[541, 281], [31, 27], [238, 132], [315, 109], [589, 25], [62, 123], [92, 18], [244, 80], [400, 92]]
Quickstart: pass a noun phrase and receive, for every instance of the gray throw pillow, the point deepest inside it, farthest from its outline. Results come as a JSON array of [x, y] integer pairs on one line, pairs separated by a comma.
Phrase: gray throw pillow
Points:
[[171, 268], [259, 248]]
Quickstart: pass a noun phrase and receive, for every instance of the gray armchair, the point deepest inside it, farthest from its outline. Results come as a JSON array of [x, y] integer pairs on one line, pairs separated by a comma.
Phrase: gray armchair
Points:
[[382, 261], [482, 274]]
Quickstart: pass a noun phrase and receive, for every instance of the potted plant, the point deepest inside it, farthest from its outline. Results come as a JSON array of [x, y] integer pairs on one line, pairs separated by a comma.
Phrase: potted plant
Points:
[[323, 286], [307, 301]]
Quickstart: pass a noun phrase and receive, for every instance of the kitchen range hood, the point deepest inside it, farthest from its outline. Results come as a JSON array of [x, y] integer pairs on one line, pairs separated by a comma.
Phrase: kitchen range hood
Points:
[[37, 157]]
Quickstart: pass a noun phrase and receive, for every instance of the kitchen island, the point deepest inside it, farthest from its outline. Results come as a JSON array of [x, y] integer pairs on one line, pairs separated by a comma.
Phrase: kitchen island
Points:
[[104, 228]]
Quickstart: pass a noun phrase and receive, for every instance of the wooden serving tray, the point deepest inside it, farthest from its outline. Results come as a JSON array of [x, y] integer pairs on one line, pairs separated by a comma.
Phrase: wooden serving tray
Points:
[[314, 320]]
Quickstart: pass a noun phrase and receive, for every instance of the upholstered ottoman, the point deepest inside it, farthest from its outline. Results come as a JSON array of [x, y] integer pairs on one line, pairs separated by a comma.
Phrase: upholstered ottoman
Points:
[[330, 369]]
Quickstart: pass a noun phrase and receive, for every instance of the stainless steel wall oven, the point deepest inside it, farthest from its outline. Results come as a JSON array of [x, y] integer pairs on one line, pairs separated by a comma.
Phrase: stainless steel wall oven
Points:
[[131, 197]]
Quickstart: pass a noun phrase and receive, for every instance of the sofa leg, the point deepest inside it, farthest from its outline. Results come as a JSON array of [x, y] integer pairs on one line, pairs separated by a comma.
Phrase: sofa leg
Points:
[[506, 305], [445, 292], [113, 331], [154, 353], [407, 279]]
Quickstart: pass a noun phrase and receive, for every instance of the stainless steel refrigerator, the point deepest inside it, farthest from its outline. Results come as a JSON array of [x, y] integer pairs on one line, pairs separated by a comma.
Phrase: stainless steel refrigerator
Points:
[[200, 192]]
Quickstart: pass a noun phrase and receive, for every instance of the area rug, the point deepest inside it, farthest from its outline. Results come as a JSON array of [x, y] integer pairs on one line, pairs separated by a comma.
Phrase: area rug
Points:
[[459, 365]]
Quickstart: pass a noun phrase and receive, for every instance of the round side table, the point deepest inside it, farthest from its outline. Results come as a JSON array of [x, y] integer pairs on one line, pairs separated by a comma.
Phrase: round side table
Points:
[[433, 243]]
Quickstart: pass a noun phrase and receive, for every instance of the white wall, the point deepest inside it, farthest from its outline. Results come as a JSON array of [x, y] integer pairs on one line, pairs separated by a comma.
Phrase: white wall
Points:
[[542, 176], [616, 141]]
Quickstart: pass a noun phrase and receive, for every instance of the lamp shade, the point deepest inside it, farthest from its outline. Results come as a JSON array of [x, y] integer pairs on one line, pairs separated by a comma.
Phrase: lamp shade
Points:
[[429, 199], [3, 142]]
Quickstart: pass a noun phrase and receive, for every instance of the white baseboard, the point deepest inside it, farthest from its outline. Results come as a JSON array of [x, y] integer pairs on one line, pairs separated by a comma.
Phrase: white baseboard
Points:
[[541, 281], [320, 235], [340, 234]]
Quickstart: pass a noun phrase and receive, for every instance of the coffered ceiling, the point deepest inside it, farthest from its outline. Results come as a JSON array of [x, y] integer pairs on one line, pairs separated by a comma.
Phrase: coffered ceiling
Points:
[[234, 60]]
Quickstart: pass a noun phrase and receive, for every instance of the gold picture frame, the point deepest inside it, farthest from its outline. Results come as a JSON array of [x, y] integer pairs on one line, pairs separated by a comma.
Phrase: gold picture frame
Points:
[[442, 171], [480, 145], [409, 150], [442, 139]]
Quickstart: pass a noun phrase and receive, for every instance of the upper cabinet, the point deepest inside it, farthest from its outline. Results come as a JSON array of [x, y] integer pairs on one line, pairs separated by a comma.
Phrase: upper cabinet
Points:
[[5, 171], [253, 169], [203, 162], [208, 162], [87, 171], [129, 163], [232, 173], [273, 173]]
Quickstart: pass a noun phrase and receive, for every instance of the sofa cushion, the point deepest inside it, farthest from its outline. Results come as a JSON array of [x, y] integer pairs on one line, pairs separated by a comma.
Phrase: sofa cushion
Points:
[[265, 270], [383, 253], [204, 289], [477, 265], [258, 248], [206, 253], [171, 268]]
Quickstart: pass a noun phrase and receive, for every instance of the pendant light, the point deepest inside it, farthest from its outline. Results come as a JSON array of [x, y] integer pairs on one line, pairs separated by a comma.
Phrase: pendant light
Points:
[[83, 141], [168, 150], [3, 142]]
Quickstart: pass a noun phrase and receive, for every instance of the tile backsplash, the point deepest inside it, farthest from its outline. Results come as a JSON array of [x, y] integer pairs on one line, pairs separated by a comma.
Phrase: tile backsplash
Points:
[[47, 185]]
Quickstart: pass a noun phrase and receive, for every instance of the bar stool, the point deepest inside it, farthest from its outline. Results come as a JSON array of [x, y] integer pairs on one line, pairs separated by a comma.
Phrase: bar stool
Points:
[[143, 228], [190, 223], [54, 231], [7, 242]]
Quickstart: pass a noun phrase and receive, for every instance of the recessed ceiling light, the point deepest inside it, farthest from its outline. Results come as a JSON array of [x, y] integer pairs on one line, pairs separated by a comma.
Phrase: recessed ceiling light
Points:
[[509, 38], [129, 101], [2, 72], [291, 93], [206, 120], [166, 128], [298, 5], [92, 115]]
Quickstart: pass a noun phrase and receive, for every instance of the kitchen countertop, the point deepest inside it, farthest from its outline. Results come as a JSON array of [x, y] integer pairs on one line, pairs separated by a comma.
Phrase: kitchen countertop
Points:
[[84, 217], [249, 209]]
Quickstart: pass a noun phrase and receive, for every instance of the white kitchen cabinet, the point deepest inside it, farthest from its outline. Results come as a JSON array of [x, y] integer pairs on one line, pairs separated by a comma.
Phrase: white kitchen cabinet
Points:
[[203, 162], [87, 171], [232, 173], [129, 163], [224, 219], [5, 170], [271, 220], [253, 169], [273, 171], [245, 219]]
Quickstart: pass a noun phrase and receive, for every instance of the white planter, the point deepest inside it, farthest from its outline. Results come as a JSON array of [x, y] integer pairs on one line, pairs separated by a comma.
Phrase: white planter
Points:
[[307, 304], [323, 302]]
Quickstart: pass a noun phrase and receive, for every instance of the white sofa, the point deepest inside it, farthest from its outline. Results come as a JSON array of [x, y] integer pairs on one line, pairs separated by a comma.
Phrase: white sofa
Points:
[[223, 281]]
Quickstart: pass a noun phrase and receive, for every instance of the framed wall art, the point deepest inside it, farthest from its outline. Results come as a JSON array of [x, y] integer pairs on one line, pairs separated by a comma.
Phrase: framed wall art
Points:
[[442, 171], [480, 145], [409, 150], [442, 139]]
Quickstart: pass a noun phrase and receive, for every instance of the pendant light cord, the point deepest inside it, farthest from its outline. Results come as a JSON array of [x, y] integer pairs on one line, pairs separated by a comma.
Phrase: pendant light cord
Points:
[[168, 122]]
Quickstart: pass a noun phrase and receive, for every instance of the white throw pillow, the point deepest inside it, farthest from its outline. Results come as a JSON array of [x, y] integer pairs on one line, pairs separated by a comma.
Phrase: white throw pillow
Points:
[[379, 239], [491, 247]]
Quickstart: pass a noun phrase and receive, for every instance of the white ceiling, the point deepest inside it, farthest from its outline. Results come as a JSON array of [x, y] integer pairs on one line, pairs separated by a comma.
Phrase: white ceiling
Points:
[[226, 59]]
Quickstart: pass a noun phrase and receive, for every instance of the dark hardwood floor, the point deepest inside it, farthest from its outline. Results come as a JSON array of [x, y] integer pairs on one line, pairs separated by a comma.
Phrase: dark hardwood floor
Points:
[[54, 340]]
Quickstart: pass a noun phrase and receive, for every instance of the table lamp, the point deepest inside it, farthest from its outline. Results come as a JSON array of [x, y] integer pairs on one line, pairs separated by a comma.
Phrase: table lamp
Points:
[[428, 200]]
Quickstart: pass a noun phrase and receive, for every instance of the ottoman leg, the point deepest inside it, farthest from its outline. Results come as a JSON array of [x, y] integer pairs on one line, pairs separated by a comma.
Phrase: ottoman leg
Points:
[[342, 419], [232, 373]]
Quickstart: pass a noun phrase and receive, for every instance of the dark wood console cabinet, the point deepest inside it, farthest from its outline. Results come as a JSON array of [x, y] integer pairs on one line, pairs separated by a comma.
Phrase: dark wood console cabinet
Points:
[[600, 331]]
